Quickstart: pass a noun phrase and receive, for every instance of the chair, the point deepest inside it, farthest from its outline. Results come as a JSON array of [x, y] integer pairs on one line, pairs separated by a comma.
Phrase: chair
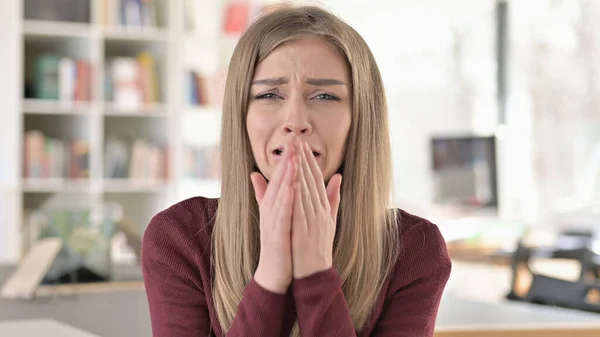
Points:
[[580, 294]]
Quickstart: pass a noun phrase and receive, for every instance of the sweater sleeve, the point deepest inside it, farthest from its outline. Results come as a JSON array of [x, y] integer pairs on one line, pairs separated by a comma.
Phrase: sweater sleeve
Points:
[[321, 305], [175, 291], [412, 305]]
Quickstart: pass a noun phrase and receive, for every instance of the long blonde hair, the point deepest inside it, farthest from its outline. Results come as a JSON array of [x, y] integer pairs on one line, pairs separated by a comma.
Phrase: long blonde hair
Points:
[[366, 242]]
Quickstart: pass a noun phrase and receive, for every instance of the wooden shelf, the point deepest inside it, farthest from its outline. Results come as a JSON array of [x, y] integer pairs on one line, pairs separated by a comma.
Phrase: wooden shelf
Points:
[[90, 288], [150, 110], [125, 185], [55, 185], [56, 29], [51, 107], [135, 34]]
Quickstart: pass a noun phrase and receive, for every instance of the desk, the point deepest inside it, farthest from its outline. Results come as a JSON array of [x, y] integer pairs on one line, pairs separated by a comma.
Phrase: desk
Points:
[[40, 327], [125, 314], [460, 317], [106, 314]]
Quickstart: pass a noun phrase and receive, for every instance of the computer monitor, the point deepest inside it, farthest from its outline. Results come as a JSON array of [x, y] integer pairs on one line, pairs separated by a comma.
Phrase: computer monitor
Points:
[[465, 171]]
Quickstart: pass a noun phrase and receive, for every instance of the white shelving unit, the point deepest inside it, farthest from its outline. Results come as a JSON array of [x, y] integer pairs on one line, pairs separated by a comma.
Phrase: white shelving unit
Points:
[[172, 121], [94, 120]]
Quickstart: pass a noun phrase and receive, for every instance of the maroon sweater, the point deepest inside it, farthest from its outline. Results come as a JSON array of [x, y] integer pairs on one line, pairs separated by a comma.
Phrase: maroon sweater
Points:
[[177, 274]]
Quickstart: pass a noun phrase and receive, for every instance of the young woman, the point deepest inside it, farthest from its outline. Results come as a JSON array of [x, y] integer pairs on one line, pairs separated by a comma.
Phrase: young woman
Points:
[[291, 248]]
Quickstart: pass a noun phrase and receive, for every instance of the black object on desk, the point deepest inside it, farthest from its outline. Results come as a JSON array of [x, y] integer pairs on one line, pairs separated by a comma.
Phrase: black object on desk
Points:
[[552, 291]]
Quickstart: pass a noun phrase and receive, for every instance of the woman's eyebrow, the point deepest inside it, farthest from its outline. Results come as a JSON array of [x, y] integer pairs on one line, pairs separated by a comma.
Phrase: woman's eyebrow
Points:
[[324, 81], [271, 81], [284, 80]]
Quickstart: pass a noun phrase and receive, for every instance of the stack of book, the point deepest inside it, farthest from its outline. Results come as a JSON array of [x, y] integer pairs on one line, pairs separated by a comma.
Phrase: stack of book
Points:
[[130, 13], [138, 160], [47, 157], [202, 162], [133, 81], [204, 90], [61, 78]]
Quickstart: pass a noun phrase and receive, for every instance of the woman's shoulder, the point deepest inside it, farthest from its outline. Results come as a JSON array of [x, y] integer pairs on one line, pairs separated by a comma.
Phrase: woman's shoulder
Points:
[[409, 224], [184, 225], [422, 249], [192, 214]]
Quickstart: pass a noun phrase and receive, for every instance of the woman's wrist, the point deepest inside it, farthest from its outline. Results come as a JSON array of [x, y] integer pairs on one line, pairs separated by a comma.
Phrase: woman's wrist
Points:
[[267, 282]]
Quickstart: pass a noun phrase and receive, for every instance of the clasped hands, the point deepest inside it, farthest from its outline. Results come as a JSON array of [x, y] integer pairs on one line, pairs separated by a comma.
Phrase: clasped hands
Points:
[[297, 218]]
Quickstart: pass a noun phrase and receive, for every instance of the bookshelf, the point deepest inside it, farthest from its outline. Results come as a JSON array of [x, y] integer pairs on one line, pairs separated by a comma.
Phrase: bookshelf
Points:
[[168, 131], [61, 133]]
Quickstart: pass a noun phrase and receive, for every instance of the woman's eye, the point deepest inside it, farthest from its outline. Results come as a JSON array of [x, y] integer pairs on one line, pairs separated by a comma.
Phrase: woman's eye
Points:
[[268, 95], [327, 97]]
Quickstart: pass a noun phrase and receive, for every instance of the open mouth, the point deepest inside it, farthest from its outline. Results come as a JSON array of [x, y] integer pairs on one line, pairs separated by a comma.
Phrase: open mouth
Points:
[[279, 152]]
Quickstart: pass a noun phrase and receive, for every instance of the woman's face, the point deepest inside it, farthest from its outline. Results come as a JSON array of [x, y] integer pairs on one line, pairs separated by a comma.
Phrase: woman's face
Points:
[[301, 89]]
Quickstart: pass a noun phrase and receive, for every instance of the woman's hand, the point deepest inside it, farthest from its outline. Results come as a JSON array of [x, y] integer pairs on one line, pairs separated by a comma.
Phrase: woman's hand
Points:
[[275, 200], [314, 216]]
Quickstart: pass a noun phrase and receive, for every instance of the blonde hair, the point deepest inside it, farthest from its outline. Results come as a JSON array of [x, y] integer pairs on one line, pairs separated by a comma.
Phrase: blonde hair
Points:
[[366, 242]]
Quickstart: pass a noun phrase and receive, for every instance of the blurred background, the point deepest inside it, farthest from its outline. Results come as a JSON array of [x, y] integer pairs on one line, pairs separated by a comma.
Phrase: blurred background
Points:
[[111, 113]]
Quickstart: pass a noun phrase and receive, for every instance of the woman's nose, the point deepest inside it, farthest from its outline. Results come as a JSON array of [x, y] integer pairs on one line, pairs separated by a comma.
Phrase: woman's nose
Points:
[[297, 128], [297, 121]]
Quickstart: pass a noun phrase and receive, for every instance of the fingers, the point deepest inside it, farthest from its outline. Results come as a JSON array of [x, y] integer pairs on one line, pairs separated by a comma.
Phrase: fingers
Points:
[[260, 186], [299, 217], [284, 217], [285, 179], [285, 196], [306, 195], [333, 193], [271, 193], [315, 177]]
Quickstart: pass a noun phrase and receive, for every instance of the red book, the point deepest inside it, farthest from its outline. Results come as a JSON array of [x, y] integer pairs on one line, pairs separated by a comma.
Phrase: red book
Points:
[[82, 83], [236, 17]]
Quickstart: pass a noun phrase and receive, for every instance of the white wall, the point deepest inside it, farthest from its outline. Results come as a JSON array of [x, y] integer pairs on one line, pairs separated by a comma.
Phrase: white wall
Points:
[[412, 42]]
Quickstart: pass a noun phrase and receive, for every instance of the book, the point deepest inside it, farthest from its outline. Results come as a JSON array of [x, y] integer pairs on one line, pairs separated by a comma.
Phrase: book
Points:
[[202, 162], [204, 90], [148, 77], [134, 81], [61, 78], [130, 13], [139, 159], [236, 17], [46, 157], [66, 79], [126, 91], [47, 76], [82, 81]]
